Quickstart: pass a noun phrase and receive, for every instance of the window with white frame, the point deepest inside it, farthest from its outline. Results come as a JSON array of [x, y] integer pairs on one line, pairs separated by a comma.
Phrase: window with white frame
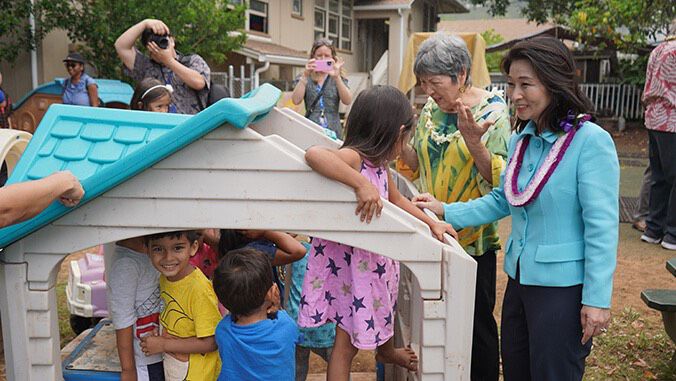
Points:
[[257, 16], [297, 7], [333, 19]]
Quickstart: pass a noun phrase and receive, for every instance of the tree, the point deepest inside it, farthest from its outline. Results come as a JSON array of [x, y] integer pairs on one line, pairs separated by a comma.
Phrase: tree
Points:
[[623, 25], [200, 26], [15, 31], [493, 59]]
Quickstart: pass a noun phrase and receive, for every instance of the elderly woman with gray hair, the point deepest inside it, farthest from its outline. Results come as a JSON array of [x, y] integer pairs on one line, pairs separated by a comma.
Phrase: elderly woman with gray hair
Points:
[[457, 152]]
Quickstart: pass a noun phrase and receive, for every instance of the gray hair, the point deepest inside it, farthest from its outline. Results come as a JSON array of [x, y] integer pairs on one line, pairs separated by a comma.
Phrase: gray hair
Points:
[[443, 54]]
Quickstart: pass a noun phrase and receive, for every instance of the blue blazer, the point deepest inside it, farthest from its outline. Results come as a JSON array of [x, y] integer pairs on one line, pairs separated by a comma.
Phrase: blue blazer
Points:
[[568, 235]]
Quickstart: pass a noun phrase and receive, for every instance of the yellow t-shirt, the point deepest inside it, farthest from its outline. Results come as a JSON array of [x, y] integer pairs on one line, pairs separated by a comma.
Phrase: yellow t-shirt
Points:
[[191, 310]]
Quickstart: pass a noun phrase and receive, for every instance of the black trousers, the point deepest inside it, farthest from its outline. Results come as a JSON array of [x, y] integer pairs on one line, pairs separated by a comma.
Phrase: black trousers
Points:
[[661, 220], [485, 348], [541, 333]]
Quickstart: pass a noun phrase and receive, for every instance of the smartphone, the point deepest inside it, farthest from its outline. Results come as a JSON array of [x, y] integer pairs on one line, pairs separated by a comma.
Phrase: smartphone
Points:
[[324, 65]]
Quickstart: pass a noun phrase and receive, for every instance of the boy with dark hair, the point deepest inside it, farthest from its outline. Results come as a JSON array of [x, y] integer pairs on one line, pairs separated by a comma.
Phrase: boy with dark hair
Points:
[[190, 312], [256, 341]]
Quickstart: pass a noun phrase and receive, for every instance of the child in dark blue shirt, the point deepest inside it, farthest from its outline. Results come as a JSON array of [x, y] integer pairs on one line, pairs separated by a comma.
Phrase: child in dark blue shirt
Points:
[[256, 341]]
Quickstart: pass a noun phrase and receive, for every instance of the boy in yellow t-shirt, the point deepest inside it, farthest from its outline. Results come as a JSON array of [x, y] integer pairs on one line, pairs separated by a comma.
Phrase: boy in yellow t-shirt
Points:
[[190, 314]]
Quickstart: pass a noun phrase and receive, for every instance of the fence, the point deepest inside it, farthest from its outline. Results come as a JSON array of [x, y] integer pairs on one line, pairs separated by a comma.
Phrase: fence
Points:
[[235, 80], [239, 84], [613, 100]]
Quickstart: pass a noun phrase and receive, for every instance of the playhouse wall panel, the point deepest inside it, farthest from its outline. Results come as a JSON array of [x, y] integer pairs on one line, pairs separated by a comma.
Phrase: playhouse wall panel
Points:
[[214, 184], [233, 155], [434, 359]]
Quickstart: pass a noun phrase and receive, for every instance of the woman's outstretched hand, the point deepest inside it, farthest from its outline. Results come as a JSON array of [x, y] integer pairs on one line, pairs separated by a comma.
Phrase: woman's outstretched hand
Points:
[[427, 201], [470, 130], [368, 202]]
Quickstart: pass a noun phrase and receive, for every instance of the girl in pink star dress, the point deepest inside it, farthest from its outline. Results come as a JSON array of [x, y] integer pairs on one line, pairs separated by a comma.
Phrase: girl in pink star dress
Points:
[[354, 288]]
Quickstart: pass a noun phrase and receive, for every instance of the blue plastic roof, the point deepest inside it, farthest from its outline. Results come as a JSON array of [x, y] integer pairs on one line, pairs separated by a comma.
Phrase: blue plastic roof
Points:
[[104, 147], [110, 90]]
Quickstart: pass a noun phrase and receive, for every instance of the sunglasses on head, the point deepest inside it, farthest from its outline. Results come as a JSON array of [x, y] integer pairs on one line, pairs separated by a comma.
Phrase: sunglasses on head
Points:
[[71, 64]]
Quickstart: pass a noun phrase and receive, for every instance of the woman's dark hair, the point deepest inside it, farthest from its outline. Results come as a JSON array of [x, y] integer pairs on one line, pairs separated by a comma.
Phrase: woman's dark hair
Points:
[[242, 279], [554, 66], [373, 125], [140, 102]]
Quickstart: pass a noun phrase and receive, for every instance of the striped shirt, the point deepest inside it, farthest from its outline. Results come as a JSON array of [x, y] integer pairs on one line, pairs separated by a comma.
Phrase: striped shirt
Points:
[[446, 168]]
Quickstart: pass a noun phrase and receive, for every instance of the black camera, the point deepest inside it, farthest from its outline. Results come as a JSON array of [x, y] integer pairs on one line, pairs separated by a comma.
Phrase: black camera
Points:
[[162, 41]]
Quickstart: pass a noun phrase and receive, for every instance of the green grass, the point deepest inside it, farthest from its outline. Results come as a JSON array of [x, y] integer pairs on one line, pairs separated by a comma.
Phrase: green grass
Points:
[[65, 331], [633, 349]]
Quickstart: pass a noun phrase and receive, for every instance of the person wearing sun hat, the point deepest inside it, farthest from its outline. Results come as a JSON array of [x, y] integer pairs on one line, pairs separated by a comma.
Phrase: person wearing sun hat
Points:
[[80, 89]]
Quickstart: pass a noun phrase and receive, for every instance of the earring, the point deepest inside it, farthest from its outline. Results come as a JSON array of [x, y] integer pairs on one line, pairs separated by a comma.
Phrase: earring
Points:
[[462, 89]]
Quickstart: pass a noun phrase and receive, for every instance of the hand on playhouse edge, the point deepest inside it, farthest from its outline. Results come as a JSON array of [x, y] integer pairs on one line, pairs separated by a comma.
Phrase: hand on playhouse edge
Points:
[[368, 202], [440, 227]]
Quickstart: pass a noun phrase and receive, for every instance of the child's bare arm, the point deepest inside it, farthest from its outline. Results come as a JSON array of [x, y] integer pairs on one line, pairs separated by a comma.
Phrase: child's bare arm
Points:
[[343, 165], [288, 249], [438, 227], [159, 344], [125, 350]]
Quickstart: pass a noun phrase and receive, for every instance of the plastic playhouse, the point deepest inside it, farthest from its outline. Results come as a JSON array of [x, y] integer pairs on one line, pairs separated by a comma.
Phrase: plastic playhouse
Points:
[[29, 110], [128, 162]]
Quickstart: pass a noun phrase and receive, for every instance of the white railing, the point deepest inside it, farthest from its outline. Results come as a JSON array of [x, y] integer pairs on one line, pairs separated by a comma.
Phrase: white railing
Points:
[[614, 100], [235, 80]]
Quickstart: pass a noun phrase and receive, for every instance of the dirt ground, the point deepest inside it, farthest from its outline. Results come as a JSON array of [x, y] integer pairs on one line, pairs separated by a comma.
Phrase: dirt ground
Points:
[[639, 266]]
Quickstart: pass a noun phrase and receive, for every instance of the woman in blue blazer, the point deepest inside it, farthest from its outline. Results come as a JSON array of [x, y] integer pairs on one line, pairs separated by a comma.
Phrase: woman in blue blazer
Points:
[[561, 189]]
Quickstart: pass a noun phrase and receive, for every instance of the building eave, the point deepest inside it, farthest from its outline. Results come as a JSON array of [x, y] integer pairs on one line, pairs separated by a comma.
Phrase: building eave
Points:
[[272, 58]]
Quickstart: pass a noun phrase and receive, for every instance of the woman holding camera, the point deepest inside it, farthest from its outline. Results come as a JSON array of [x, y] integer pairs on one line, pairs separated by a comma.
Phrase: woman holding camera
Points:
[[322, 86]]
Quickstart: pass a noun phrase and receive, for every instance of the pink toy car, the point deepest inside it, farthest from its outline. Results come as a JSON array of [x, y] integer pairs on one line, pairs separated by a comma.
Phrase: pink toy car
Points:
[[86, 291]]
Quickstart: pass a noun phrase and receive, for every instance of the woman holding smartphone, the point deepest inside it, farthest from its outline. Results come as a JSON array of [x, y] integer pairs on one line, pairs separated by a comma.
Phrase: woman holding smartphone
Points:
[[323, 86]]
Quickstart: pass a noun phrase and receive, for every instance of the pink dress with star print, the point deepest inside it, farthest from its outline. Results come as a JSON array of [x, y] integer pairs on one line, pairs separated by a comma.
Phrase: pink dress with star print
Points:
[[354, 288]]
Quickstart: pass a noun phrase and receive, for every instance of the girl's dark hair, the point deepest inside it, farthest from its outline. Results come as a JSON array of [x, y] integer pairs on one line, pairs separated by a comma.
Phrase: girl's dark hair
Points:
[[139, 102], [230, 240], [554, 66], [373, 125], [242, 279]]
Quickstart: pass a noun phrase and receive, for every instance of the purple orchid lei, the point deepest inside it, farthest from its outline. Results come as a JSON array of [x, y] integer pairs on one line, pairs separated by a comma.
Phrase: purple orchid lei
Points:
[[535, 185]]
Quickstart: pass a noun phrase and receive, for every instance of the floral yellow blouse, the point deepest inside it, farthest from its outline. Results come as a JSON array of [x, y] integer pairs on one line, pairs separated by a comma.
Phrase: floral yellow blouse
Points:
[[446, 168]]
